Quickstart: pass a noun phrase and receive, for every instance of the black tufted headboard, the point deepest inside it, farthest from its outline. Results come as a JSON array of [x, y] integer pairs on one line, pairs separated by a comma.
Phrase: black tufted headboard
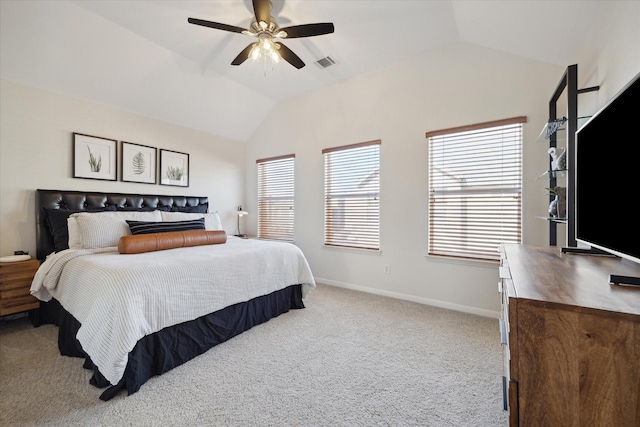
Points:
[[81, 200]]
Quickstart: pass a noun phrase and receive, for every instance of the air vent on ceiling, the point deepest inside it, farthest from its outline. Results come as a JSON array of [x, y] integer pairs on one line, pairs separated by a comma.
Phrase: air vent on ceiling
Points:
[[325, 62]]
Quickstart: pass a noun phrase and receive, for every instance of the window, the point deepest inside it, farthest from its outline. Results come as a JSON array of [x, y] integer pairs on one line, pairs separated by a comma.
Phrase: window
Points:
[[275, 198], [352, 196], [475, 189]]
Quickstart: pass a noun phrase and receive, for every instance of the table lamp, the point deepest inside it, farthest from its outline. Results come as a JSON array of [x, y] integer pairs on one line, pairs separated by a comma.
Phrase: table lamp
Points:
[[240, 213]]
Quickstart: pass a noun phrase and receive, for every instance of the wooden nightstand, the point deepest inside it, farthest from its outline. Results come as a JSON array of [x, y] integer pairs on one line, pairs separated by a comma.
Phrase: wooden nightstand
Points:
[[15, 284]]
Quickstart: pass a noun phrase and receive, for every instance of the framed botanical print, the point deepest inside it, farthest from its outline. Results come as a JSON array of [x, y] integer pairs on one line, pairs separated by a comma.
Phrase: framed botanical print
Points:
[[138, 163], [174, 168], [94, 157]]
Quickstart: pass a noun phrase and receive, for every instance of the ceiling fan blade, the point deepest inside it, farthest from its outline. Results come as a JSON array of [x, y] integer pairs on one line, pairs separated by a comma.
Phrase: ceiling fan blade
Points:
[[289, 56], [308, 30], [244, 55], [216, 25], [262, 10]]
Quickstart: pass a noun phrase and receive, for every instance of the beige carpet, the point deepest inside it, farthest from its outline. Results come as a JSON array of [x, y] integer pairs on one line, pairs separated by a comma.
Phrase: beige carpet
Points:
[[348, 359]]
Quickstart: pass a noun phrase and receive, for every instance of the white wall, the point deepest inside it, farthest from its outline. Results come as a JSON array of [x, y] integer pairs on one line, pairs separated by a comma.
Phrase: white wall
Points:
[[612, 56], [398, 104], [463, 85], [35, 152]]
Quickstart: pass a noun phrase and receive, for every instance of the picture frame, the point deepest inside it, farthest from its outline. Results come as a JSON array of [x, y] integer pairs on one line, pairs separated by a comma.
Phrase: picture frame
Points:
[[174, 168], [95, 157], [138, 163]]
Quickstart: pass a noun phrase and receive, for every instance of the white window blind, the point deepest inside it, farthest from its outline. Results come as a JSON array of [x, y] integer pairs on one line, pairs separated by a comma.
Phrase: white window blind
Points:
[[275, 198], [352, 196], [475, 189]]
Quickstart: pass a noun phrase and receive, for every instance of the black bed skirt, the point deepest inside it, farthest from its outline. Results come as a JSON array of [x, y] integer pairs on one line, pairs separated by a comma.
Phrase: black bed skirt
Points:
[[162, 351]]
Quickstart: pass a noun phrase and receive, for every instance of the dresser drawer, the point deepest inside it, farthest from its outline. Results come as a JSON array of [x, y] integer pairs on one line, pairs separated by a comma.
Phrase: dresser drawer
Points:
[[508, 339]]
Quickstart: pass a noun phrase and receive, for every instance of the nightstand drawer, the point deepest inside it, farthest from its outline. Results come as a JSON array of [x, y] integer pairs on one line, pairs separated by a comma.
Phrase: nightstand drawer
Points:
[[16, 305], [15, 286], [15, 292], [21, 282]]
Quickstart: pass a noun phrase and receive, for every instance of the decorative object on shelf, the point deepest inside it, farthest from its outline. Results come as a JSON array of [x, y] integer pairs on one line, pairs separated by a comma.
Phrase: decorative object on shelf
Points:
[[553, 126], [558, 161], [94, 157], [138, 163], [561, 162], [240, 214], [174, 168], [558, 206]]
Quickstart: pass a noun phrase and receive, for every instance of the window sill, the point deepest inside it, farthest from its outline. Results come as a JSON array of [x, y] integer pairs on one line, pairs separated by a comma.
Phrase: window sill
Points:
[[375, 252], [274, 240], [463, 261]]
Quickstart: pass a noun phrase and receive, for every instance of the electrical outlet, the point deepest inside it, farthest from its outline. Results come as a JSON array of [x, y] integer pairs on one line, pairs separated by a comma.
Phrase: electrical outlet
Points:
[[387, 269]]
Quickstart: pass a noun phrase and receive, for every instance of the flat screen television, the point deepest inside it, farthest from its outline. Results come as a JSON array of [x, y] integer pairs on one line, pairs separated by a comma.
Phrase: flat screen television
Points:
[[608, 176]]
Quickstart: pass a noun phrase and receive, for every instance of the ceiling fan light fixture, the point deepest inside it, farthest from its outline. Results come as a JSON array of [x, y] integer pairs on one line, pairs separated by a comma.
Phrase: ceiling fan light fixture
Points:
[[255, 52], [266, 29], [266, 44], [265, 49]]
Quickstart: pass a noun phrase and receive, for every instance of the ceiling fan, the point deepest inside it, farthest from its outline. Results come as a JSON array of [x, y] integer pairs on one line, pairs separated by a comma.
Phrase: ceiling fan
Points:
[[265, 28]]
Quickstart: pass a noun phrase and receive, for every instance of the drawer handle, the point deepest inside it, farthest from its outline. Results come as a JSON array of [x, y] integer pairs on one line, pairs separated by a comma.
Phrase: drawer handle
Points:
[[503, 332], [505, 402]]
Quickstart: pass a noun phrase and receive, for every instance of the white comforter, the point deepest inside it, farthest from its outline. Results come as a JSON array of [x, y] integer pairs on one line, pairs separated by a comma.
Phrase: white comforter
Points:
[[118, 299]]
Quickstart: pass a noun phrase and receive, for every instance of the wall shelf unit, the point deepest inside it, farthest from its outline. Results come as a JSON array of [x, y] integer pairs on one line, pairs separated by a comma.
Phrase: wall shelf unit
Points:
[[564, 129]]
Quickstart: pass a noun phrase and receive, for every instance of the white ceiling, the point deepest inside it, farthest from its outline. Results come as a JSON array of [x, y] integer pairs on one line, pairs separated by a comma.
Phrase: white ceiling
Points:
[[143, 56]]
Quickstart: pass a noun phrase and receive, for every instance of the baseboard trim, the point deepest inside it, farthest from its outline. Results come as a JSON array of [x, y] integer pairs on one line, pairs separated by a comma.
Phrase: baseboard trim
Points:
[[412, 298]]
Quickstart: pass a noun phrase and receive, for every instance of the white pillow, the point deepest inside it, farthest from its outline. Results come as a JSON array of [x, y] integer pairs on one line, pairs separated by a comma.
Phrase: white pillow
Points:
[[211, 220], [75, 239], [104, 229]]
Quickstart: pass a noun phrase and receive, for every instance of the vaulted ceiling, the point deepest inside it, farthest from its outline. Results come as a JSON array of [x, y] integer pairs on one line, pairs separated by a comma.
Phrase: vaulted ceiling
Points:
[[143, 56]]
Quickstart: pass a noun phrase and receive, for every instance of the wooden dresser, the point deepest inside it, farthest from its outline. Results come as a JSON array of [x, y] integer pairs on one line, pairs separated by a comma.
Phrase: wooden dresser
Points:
[[15, 284], [571, 340]]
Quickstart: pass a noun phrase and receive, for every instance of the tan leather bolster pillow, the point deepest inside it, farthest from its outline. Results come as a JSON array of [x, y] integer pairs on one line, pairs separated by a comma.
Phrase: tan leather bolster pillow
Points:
[[139, 243]]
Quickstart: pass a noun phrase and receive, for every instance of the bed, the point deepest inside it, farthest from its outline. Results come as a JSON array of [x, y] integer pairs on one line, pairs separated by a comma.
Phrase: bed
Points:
[[133, 316]]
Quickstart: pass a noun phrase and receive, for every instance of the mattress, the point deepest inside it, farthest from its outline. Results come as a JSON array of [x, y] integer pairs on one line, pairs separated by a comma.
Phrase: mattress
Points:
[[119, 299]]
